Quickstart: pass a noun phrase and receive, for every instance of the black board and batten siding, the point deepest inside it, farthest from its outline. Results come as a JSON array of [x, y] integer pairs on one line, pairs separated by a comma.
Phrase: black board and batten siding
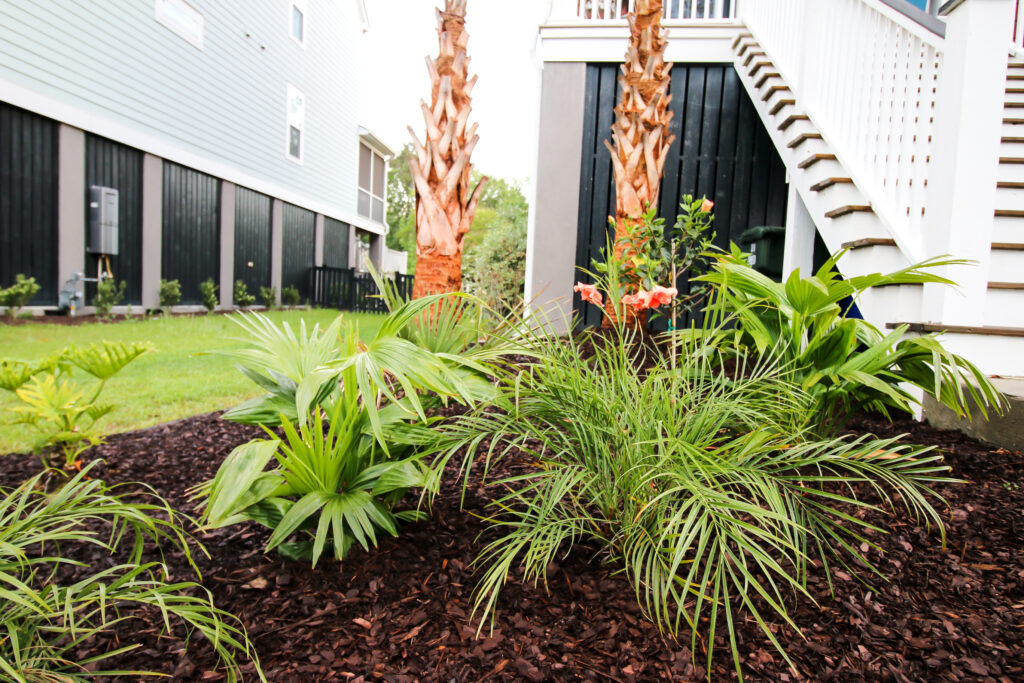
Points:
[[111, 164], [252, 239], [299, 251], [335, 243], [28, 201], [191, 229], [721, 151]]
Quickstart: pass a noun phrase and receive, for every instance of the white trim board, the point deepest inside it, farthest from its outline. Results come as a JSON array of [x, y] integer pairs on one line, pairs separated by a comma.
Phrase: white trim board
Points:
[[98, 124]]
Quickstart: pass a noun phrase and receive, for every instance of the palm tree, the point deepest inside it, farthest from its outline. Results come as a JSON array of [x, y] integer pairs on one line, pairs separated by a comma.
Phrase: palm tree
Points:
[[445, 199], [640, 133]]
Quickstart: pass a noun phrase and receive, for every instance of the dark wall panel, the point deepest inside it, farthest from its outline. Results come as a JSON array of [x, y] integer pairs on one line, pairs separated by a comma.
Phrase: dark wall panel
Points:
[[299, 248], [721, 151], [28, 201], [111, 164], [191, 229], [335, 243], [252, 239]]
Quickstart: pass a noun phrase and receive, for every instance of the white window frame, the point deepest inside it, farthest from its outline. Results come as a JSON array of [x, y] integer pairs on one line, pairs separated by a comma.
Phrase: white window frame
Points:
[[295, 118], [374, 152], [302, 6]]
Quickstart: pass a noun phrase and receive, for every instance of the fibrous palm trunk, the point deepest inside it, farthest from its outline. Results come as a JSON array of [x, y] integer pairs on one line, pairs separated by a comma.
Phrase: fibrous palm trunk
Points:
[[640, 133], [445, 199]]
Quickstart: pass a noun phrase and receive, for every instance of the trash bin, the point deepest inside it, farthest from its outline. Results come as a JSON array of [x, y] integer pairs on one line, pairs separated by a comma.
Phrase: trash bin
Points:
[[766, 245]]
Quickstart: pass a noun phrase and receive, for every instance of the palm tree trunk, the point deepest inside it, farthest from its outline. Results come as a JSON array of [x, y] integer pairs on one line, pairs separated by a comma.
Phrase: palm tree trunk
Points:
[[640, 133], [442, 173]]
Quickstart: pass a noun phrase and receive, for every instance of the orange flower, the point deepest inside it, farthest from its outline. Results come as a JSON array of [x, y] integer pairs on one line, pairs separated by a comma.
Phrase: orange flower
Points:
[[589, 293], [707, 206], [659, 296], [638, 301]]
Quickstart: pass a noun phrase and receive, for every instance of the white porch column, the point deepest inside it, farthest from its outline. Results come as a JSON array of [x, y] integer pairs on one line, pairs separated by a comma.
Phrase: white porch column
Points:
[[962, 182], [800, 233], [227, 245], [276, 245], [70, 203], [318, 240], [152, 229]]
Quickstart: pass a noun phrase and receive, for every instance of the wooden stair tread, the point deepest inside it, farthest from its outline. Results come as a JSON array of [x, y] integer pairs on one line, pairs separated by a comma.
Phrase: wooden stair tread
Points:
[[1011, 160], [1008, 246], [924, 328], [1007, 285], [1009, 213], [870, 242], [750, 44], [1014, 105], [1015, 77], [793, 118], [1013, 122], [757, 67], [772, 90], [765, 76], [1009, 185], [752, 55], [785, 102], [829, 182], [1015, 91], [802, 138], [848, 209], [815, 158], [740, 38], [1011, 140]]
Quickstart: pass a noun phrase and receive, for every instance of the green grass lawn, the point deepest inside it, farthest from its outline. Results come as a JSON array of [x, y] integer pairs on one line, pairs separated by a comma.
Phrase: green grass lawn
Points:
[[172, 382]]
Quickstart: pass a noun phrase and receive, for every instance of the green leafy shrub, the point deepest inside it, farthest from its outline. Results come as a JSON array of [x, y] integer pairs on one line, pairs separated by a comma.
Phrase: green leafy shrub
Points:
[[268, 295], [495, 269], [845, 364], [62, 409], [208, 294], [19, 294], [336, 485], [49, 625], [170, 294], [290, 296], [709, 492], [242, 296], [108, 294]]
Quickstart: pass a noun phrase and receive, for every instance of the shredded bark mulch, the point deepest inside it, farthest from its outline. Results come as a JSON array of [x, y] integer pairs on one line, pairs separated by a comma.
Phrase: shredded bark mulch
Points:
[[402, 612]]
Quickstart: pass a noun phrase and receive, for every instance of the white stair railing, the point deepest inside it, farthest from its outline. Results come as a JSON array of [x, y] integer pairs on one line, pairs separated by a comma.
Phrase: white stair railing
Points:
[[604, 11], [868, 78], [1018, 26]]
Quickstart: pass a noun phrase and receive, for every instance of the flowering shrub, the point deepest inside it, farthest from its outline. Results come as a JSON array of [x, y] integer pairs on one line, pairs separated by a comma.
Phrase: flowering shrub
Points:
[[651, 259]]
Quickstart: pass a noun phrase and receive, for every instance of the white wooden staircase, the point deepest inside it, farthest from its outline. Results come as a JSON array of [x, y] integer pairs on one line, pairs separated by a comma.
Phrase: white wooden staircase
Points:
[[849, 91]]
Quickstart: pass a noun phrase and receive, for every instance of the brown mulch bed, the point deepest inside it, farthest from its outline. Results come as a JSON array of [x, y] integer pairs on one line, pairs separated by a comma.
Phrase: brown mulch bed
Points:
[[401, 611]]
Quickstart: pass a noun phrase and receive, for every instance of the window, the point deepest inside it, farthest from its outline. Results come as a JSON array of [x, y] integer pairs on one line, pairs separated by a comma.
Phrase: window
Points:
[[296, 106], [297, 21], [372, 175]]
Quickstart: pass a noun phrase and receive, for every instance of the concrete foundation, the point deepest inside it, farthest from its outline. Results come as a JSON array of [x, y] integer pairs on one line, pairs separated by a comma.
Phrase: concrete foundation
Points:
[[1005, 431]]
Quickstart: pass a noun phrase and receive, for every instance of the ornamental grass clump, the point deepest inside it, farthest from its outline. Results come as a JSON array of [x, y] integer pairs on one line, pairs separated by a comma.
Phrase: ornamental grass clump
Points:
[[51, 624], [709, 492]]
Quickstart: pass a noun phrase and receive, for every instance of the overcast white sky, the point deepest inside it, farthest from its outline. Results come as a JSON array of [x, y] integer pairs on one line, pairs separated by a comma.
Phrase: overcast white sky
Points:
[[502, 42]]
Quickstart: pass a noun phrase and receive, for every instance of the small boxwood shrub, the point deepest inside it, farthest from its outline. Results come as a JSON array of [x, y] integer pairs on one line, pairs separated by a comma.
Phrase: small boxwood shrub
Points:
[[208, 294], [170, 293], [19, 294], [290, 296], [242, 296]]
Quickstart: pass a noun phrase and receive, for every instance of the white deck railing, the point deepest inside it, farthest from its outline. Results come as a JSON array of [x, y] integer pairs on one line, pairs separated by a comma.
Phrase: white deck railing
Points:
[[599, 11], [868, 78], [1018, 25]]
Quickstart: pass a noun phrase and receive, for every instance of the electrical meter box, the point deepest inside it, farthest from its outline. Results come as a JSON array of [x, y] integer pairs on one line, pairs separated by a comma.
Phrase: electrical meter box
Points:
[[102, 220]]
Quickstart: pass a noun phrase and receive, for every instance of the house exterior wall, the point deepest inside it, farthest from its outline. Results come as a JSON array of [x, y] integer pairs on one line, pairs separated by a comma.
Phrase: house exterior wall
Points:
[[113, 69]]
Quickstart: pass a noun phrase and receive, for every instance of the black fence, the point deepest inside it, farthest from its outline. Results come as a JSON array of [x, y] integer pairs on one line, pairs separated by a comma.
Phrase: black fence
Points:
[[349, 290]]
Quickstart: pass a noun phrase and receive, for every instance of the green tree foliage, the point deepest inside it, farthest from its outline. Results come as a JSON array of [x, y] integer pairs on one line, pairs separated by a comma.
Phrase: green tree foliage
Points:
[[242, 296], [495, 269]]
